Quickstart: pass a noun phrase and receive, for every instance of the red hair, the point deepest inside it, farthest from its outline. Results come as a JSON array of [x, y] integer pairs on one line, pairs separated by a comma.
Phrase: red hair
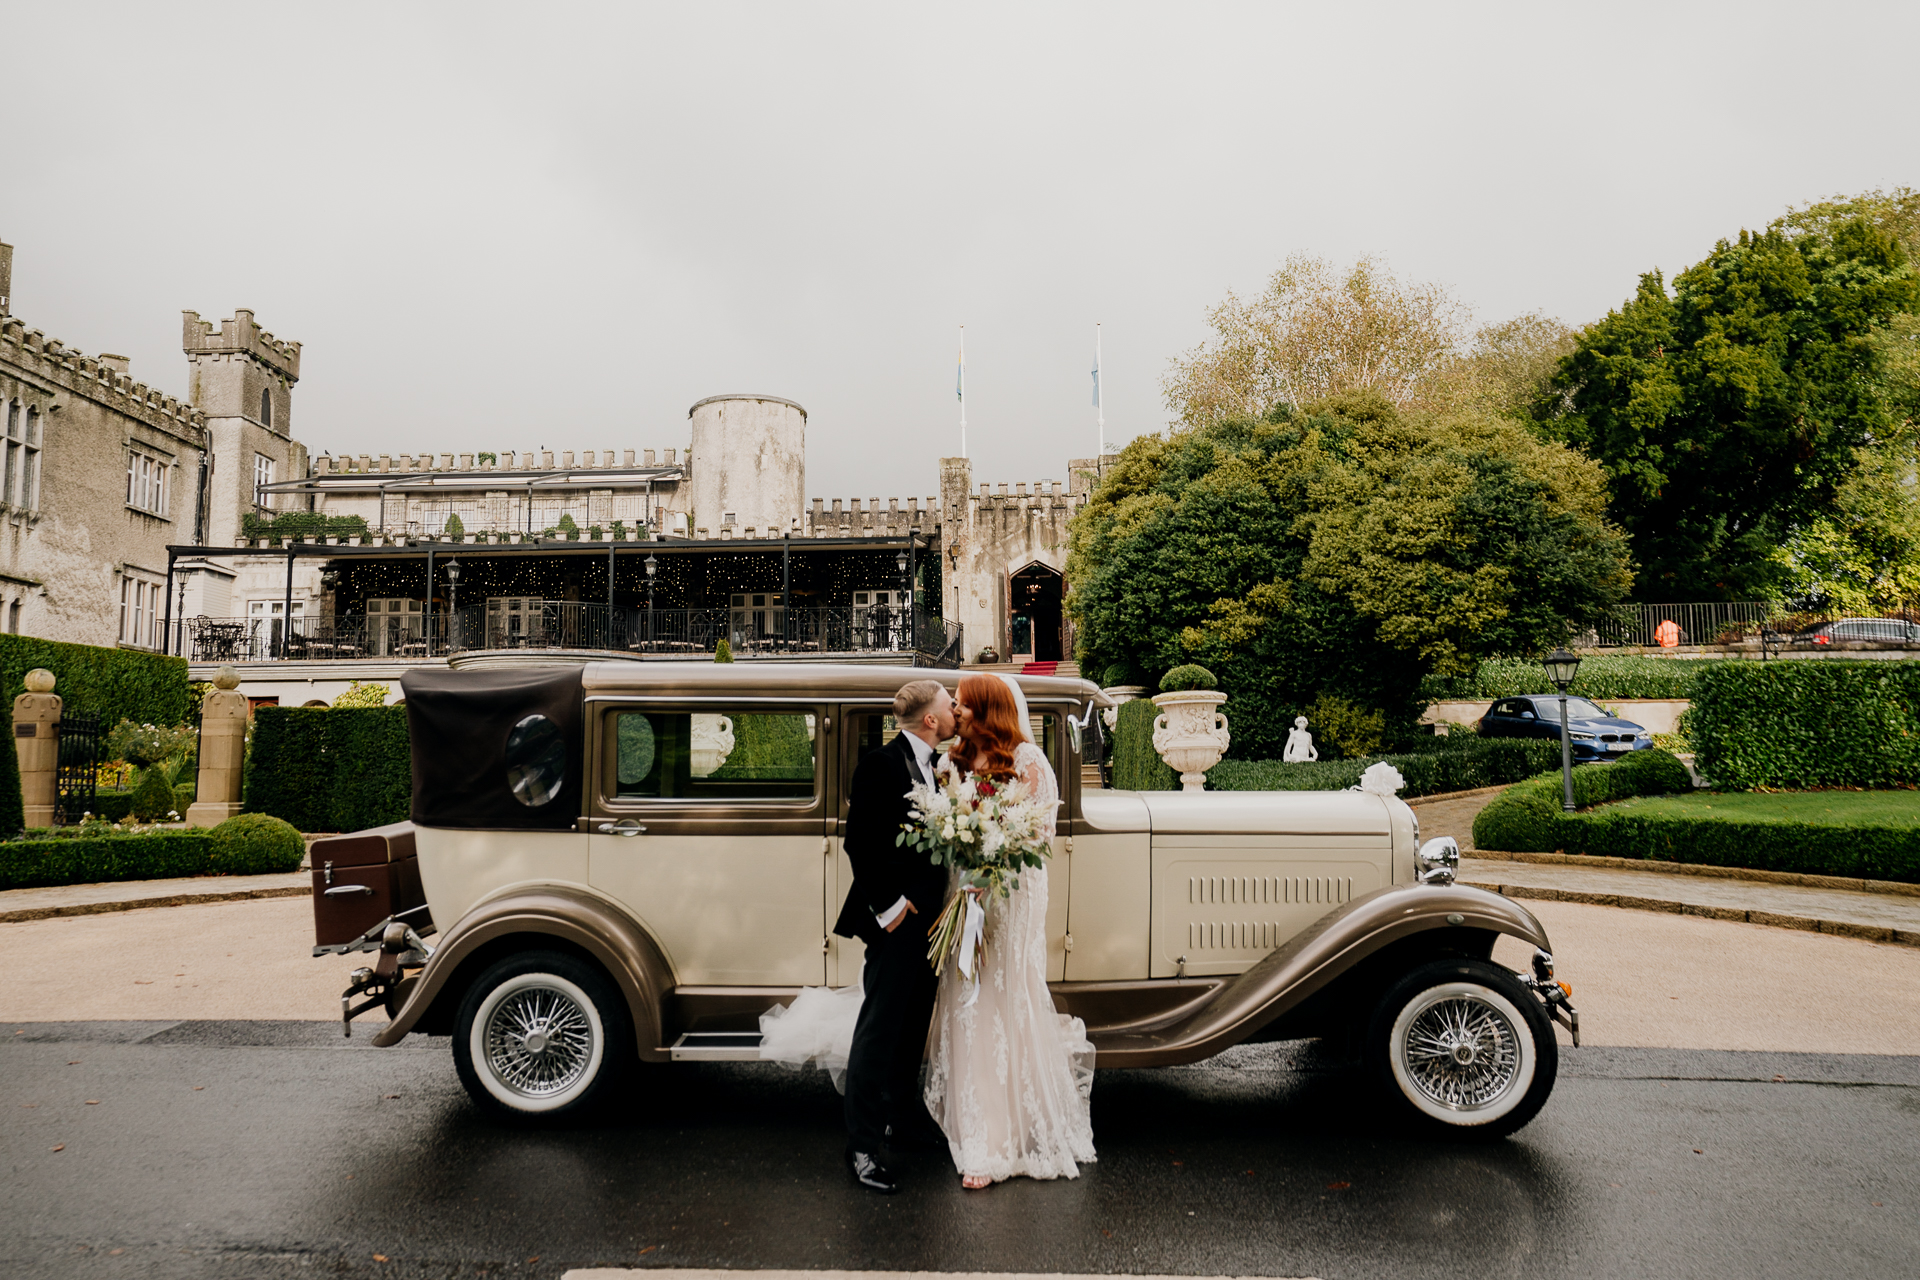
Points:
[[988, 743]]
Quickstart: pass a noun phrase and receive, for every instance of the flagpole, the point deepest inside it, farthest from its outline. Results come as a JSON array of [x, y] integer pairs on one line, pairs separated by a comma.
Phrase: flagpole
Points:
[[962, 391], [1099, 400]]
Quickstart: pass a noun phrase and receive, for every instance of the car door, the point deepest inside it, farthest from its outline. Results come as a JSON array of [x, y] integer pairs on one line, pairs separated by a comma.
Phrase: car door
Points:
[[709, 824]]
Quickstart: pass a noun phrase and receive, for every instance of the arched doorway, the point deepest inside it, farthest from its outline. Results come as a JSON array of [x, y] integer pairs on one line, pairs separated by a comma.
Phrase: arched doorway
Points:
[[1033, 614]]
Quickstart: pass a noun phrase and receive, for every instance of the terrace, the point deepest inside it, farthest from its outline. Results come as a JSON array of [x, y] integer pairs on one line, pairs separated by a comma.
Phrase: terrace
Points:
[[847, 599]]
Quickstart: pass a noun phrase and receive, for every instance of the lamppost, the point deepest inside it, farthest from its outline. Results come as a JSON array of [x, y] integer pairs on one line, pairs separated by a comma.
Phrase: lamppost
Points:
[[906, 594], [1560, 667], [652, 567], [453, 603]]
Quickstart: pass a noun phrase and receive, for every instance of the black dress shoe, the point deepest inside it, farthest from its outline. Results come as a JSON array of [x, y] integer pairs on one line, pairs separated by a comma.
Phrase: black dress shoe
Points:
[[871, 1174]]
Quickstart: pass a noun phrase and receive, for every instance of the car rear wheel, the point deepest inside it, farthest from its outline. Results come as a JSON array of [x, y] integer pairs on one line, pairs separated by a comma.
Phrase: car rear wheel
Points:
[[540, 1035], [1464, 1049]]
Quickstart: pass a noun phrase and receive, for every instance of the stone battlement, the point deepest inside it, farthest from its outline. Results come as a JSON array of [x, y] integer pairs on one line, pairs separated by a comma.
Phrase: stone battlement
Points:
[[102, 380], [542, 460], [239, 336], [871, 521], [1046, 493]]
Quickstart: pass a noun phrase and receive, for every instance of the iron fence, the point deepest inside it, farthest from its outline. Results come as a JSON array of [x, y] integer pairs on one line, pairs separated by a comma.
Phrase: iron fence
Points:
[[564, 624], [1721, 623], [82, 747]]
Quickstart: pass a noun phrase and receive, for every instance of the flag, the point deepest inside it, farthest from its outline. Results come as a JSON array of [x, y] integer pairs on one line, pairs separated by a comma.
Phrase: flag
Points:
[[960, 375], [1096, 382]]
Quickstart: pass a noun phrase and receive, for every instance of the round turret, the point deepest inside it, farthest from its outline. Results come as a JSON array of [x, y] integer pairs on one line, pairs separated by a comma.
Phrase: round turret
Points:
[[749, 466]]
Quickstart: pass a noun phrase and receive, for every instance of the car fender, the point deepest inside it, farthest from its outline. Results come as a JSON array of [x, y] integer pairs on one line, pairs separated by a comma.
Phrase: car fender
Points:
[[1308, 962], [567, 913]]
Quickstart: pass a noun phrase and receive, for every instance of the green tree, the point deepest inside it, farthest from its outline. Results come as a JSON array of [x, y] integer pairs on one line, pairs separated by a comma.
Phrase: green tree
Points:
[[1729, 413], [456, 527], [1345, 550]]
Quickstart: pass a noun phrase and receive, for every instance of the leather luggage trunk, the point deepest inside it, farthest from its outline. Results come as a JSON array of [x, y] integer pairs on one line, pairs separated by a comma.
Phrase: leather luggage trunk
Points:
[[372, 874]]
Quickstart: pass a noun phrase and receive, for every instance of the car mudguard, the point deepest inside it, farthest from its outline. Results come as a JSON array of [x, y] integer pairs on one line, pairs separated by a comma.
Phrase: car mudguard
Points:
[[1308, 962], [565, 913]]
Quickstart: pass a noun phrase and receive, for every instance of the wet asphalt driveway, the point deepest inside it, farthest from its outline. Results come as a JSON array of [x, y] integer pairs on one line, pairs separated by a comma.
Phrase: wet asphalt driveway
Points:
[[276, 1149]]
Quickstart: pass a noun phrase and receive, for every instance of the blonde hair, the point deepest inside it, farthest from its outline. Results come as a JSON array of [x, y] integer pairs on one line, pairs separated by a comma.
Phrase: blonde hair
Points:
[[911, 703]]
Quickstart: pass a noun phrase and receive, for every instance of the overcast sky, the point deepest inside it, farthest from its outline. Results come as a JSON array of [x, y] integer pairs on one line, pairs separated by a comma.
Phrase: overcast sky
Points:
[[525, 226]]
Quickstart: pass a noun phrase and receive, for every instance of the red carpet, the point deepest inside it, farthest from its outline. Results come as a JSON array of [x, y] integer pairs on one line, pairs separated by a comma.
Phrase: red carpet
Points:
[[1040, 669]]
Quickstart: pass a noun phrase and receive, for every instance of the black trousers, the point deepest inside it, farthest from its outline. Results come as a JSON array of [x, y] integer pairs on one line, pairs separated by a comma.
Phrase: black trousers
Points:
[[890, 1037]]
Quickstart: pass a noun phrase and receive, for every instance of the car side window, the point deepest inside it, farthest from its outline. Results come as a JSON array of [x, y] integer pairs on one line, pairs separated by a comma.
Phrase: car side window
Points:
[[715, 755], [1523, 709]]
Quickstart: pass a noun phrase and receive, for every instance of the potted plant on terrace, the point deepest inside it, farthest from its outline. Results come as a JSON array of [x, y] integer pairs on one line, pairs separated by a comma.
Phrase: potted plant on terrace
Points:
[[1191, 733]]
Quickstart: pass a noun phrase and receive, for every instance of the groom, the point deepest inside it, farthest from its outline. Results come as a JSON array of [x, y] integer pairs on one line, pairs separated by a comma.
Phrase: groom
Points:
[[896, 894]]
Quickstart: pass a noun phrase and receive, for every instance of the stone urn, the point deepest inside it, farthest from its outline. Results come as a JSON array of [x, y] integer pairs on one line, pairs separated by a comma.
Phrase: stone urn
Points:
[[1191, 734], [1120, 693]]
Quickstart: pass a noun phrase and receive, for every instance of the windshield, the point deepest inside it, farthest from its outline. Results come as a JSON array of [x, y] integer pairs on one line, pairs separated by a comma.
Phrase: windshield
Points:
[[1577, 709]]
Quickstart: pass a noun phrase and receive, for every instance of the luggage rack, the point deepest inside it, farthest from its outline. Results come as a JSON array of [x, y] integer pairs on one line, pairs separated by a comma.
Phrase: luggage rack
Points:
[[717, 1046]]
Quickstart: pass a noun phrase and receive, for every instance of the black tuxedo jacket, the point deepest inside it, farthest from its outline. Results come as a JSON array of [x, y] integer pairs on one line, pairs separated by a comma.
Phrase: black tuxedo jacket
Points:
[[884, 872]]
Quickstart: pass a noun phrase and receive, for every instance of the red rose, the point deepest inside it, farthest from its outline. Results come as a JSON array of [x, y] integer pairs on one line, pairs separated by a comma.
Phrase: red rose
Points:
[[986, 787]]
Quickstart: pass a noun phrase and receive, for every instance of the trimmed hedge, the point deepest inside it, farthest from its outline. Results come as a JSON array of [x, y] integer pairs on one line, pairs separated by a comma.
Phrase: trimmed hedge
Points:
[[114, 684], [1488, 762], [1136, 765], [13, 811], [1798, 725], [323, 769], [159, 856], [1527, 818], [1601, 678], [117, 806], [1873, 853]]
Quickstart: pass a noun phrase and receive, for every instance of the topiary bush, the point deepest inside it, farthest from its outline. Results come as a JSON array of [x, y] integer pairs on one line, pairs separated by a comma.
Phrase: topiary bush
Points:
[[1117, 675], [723, 652], [1807, 724], [1527, 818], [1188, 678], [153, 798], [1466, 767], [1136, 765], [456, 527], [253, 844]]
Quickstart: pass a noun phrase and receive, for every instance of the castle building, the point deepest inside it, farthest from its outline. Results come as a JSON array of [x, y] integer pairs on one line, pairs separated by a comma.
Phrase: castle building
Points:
[[204, 528]]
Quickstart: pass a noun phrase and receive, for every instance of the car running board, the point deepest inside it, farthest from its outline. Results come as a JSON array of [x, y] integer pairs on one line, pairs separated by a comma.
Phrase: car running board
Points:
[[717, 1046]]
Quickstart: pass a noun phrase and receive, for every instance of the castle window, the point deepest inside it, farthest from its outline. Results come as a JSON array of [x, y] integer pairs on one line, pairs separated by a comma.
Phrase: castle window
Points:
[[20, 477], [262, 477], [266, 406], [140, 607], [146, 483]]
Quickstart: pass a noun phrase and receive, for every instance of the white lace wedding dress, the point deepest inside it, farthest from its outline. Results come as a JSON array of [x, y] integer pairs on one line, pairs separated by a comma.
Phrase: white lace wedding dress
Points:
[[1009, 1078]]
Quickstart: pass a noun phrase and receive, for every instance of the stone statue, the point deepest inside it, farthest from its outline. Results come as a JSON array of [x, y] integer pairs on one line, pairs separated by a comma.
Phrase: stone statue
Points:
[[1300, 746]]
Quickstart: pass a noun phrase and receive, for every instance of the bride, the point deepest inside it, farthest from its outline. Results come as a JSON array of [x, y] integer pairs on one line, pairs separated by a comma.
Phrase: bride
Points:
[[1009, 1078]]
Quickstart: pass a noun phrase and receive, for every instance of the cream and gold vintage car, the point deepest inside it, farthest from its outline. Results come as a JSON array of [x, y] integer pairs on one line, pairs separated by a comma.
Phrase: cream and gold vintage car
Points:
[[625, 863]]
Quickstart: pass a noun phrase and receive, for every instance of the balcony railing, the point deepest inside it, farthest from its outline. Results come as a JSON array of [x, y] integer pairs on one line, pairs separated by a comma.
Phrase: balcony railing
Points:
[[561, 624]]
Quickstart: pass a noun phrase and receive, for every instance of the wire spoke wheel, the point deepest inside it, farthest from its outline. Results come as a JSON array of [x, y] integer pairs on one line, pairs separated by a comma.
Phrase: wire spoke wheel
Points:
[[1462, 1053], [539, 1042]]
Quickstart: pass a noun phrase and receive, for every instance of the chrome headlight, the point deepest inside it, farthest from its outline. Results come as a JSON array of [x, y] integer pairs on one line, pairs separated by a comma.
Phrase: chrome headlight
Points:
[[1581, 737], [1438, 859]]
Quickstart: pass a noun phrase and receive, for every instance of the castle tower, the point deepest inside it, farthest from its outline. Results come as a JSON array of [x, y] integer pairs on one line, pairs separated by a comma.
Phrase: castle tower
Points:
[[749, 464], [242, 378]]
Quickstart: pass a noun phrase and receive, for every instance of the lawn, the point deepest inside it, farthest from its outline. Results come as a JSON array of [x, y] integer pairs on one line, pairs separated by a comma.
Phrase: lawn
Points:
[[1822, 808]]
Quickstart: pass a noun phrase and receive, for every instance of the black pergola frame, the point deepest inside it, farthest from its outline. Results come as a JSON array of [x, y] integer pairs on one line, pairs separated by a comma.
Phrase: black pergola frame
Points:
[[912, 543]]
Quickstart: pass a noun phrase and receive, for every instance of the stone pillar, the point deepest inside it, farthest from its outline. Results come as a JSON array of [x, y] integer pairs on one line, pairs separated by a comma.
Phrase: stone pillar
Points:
[[223, 741], [36, 739]]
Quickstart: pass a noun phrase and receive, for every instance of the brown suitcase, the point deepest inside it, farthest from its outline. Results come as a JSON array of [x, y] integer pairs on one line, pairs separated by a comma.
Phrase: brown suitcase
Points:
[[362, 878]]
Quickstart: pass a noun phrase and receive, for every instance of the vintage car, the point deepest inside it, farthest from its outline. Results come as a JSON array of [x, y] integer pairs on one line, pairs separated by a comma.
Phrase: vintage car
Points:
[[628, 862]]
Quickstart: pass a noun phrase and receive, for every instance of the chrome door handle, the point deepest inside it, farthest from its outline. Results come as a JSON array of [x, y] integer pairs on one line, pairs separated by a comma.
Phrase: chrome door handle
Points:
[[624, 827], [345, 890]]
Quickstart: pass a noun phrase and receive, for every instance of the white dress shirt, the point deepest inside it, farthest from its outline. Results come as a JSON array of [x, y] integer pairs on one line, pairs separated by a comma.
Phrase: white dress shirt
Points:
[[923, 757]]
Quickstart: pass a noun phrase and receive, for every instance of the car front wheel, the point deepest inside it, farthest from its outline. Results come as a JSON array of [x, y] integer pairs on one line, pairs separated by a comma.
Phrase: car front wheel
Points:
[[539, 1035], [1464, 1049]]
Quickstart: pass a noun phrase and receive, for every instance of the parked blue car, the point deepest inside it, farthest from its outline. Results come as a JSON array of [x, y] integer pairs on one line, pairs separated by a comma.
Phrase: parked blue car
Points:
[[1592, 733]]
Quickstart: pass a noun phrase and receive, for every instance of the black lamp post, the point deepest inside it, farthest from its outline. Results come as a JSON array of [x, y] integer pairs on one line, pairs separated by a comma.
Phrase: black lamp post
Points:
[[906, 594], [453, 603], [652, 567], [1560, 667]]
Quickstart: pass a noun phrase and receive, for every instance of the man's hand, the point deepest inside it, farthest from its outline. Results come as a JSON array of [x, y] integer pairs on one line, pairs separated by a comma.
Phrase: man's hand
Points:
[[902, 917]]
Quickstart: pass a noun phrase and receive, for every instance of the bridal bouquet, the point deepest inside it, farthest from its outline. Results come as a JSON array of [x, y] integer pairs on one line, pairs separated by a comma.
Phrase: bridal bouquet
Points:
[[988, 831]]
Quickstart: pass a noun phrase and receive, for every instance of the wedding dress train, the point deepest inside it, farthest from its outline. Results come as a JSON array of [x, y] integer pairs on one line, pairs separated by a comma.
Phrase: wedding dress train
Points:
[[1010, 1079]]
